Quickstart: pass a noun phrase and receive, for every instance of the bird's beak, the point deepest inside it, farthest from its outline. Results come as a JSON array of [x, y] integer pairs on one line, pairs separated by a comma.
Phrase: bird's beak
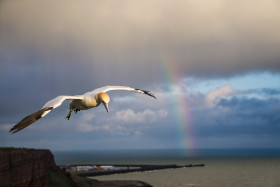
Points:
[[106, 106]]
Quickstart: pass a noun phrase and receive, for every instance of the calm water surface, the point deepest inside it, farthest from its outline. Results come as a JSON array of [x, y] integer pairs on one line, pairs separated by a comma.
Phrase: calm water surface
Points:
[[239, 167]]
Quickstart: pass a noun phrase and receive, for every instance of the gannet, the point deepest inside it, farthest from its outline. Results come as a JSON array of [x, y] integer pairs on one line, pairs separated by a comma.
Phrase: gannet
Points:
[[78, 102]]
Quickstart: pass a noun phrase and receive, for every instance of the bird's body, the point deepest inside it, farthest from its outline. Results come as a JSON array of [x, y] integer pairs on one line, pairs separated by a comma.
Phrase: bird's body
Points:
[[78, 102], [84, 104]]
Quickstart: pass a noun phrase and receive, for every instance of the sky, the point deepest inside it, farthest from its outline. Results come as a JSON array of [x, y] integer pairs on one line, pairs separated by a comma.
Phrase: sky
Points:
[[213, 66]]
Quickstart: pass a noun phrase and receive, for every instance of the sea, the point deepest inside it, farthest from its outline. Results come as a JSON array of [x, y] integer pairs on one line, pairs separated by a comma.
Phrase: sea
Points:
[[223, 167]]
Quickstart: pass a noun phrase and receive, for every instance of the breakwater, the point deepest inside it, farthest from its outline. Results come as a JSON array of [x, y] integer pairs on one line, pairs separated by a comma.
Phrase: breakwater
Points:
[[128, 168]]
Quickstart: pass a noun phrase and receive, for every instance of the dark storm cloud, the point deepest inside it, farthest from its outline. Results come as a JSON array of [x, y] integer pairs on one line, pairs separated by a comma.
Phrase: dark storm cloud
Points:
[[130, 37], [239, 116], [263, 110]]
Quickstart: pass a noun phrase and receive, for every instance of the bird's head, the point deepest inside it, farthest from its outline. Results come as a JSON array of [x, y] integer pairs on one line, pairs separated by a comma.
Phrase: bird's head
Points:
[[105, 99]]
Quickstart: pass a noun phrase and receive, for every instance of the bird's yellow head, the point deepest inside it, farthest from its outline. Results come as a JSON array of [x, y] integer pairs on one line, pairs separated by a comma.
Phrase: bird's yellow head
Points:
[[105, 99]]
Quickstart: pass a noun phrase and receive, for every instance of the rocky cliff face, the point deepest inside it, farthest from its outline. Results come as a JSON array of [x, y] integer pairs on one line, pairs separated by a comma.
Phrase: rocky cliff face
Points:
[[32, 168], [37, 168]]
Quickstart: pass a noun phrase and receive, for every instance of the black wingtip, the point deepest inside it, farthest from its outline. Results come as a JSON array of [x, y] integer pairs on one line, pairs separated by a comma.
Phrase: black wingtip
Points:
[[13, 131], [147, 93]]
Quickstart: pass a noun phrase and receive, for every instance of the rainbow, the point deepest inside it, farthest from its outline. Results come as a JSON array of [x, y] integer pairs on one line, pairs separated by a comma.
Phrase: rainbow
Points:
[[180, 112]]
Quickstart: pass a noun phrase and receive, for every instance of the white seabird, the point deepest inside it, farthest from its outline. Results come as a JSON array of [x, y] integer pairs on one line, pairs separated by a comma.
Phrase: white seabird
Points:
[[78, 102]]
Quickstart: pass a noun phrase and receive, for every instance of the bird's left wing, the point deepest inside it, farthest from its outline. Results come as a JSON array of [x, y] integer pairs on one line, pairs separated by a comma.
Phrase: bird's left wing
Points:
[[49, 106], [109, 88]]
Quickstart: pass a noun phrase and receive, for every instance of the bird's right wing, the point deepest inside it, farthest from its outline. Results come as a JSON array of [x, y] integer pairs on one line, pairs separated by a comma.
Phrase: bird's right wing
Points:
[[28, 120], [50, 105], [59, 100]]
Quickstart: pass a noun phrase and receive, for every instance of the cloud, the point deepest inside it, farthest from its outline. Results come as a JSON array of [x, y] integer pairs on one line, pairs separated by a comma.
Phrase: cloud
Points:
[[239, 116], [213, 97], [130, 37], [225, 113], [269, 92], [122, 122], [147, 116], [84, 127]]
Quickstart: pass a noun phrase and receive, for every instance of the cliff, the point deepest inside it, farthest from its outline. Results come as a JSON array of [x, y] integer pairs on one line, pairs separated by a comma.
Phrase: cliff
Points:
[[21, 167], [32, 168]]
